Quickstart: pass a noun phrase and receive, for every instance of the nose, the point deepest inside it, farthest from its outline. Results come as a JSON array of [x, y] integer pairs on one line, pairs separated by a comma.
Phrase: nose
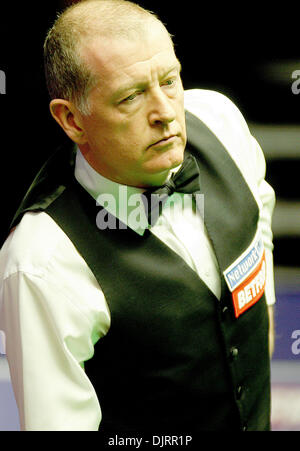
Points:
[[161, 109]]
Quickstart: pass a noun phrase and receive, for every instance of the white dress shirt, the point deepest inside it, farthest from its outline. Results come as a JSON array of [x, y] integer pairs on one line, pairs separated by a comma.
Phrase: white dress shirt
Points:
[[52, 308]]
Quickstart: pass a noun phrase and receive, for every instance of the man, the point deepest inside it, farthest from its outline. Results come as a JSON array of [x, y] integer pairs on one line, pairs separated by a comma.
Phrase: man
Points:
[[114, 324]]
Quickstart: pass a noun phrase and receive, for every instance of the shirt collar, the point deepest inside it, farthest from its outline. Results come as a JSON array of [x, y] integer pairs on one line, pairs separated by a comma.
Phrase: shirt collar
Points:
[[122, 201]]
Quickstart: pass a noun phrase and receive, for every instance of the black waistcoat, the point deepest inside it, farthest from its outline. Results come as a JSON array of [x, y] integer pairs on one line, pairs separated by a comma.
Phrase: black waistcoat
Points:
[[175, 358]]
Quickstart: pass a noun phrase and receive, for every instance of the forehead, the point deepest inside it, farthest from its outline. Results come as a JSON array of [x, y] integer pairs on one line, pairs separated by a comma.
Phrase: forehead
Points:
[[119, 61]]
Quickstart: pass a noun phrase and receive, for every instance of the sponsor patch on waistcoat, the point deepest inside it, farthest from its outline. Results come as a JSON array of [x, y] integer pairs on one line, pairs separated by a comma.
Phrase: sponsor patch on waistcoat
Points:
[[246, 277]]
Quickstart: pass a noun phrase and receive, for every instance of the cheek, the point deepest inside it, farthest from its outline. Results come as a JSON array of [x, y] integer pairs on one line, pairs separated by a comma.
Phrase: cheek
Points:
[[116, 141], [181, 119], [123, 144], [131, 136], [103, 133]]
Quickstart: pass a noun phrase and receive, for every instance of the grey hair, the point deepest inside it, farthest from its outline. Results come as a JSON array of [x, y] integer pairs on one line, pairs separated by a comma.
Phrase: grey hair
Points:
[[67, 74]]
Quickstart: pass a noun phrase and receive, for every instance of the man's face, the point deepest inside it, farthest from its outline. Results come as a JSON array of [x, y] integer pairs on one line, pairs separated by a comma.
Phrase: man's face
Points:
[[136, 130]]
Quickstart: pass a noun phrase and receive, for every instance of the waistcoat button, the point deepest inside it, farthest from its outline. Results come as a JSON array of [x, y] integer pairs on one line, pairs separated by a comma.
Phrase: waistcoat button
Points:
[[224, 310], [234, 353], [239, 392]]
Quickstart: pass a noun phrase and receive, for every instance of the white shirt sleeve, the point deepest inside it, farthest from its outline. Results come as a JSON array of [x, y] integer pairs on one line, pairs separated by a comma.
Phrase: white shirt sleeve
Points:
[[52, 314], [266, 196]]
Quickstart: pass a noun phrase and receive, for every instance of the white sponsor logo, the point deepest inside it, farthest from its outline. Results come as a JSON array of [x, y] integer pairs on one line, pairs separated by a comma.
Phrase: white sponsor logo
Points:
[[245, 264]]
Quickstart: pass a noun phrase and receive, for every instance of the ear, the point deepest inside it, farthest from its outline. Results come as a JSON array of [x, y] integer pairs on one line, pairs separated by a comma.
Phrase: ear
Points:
[[68, 117]]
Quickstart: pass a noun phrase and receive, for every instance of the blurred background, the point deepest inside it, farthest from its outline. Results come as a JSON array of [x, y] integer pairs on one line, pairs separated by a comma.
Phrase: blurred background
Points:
[[249, 52]]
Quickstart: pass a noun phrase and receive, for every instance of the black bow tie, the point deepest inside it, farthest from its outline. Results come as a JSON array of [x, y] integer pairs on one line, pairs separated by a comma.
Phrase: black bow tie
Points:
[[186, 180]]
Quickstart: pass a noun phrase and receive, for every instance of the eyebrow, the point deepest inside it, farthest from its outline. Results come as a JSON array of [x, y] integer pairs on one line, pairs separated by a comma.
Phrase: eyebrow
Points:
[[141, 85]]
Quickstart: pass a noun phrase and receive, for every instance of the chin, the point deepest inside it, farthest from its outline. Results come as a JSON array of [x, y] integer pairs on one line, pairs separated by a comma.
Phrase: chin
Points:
[[166, 161], [158, 174]]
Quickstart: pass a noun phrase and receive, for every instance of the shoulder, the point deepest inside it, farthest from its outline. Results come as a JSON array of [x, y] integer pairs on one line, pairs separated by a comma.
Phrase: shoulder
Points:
[[40, 264], [220, 114], [204, 97], [216, 110], [32, 246]]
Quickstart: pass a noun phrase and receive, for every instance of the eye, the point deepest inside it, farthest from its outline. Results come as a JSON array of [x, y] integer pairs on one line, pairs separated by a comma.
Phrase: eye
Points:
[[170, 82], [132, 97]]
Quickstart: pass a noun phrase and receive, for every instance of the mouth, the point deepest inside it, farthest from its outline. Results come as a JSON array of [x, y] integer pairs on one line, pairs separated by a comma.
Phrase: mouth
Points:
[[168, 140]]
